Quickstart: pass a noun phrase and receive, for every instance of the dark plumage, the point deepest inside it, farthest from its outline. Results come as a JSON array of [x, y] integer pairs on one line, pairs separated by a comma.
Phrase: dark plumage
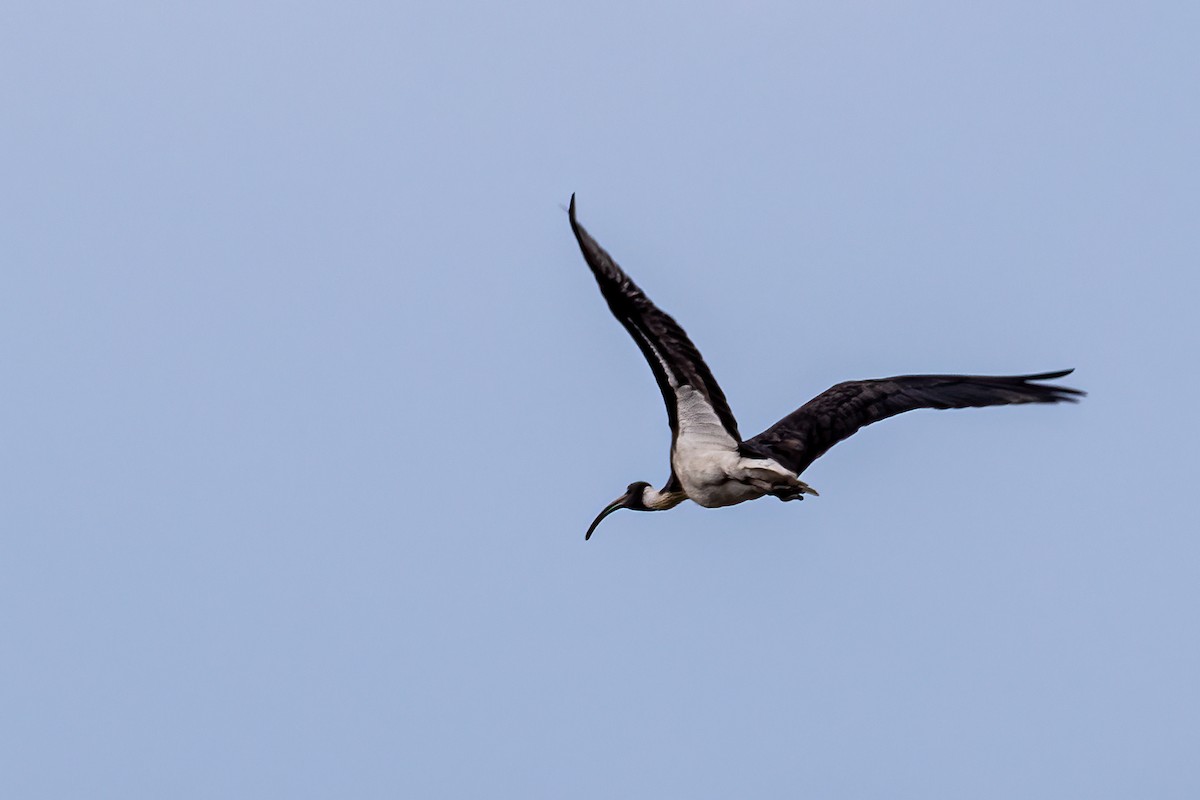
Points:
[[807, 433], [662, 341]]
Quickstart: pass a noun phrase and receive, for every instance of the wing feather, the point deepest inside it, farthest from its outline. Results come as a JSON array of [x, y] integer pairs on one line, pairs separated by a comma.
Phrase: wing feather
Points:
[[673, 358], [808, 432]]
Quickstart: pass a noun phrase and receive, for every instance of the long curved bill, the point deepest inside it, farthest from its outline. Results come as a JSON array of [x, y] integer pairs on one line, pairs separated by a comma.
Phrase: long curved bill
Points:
[[610, 508]]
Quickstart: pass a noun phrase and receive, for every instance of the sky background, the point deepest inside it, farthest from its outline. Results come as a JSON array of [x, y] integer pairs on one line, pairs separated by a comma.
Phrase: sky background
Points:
[[309, 398]]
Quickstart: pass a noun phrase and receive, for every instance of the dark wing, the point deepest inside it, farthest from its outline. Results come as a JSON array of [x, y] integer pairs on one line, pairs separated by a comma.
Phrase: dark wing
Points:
[[806, 434], [674, 359]]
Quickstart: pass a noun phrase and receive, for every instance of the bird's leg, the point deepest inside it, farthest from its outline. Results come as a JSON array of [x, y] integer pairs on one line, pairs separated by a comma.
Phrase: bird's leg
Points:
[[771, 478]]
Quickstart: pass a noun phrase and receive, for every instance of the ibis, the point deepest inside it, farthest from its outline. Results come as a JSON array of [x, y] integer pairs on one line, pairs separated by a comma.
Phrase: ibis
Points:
[[711, 464]]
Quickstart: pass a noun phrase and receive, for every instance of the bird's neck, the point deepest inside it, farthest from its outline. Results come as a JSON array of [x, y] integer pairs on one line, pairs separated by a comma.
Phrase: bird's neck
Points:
[[654, 500]]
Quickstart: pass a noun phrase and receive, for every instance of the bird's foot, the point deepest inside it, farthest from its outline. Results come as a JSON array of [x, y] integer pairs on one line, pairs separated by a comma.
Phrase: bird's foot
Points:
[[796, 492]]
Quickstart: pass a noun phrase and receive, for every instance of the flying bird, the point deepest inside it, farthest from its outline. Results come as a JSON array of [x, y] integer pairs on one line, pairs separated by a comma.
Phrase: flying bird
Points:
[[710, 462]]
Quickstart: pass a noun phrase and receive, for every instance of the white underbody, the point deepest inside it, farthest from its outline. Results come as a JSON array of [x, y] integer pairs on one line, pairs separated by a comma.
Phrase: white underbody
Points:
[[706, 459]]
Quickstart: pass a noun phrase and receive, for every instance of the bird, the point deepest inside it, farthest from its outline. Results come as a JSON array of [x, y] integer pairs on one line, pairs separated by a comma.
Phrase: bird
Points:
[[710, 462]]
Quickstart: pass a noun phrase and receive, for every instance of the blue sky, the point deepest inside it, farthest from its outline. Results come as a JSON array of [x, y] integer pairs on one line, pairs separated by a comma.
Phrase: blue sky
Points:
[[310, 399]]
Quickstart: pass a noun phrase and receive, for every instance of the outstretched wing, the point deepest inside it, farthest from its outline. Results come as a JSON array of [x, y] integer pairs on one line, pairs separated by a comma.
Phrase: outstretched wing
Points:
[[806, 434], [675, 361]]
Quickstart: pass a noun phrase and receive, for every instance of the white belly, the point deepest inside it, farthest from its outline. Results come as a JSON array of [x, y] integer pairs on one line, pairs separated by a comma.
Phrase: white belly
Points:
[[707, 462]]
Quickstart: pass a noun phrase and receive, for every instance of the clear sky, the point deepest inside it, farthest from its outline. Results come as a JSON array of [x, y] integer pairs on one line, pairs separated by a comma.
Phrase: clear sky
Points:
[[309, 398]]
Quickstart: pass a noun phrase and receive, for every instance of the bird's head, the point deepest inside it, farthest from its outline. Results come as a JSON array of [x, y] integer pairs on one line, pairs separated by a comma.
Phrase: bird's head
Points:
[[632, 499]]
